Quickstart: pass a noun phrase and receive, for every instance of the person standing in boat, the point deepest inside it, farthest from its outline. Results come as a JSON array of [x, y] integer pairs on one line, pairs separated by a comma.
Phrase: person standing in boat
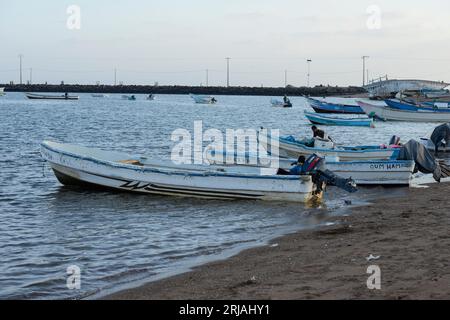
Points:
[[318, 133], [66, 95]]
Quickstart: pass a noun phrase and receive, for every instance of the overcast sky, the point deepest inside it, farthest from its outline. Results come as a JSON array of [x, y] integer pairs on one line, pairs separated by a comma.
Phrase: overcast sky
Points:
[[174, 42]]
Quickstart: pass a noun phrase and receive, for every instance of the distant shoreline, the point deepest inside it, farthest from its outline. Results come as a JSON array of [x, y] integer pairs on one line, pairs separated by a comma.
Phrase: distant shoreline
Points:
[[146, 89]]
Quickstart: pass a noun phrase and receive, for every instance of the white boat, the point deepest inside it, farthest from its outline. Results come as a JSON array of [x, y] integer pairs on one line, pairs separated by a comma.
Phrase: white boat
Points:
[[2, 92], [34, 96], [280, 104], [370, 172], [394, 114], [291, 148], [201, 99], [80, 165]]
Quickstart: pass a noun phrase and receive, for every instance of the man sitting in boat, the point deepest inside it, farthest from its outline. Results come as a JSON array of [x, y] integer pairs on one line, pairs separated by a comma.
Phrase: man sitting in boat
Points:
[[317, 133], [66, 95], [298, 168], [286, 100]]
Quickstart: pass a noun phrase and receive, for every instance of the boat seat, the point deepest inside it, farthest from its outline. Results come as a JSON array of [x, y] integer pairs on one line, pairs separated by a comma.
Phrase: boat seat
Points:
[[132, 162]]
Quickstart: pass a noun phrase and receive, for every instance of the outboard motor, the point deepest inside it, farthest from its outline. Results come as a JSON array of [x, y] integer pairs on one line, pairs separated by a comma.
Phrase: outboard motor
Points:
[[321, 176], [441, 136]]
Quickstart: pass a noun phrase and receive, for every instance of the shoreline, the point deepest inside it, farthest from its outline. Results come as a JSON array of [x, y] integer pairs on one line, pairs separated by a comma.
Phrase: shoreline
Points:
[[410, 235]]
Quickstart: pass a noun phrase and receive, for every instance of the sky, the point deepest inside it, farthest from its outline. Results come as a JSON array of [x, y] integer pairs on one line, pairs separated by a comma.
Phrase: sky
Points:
[[174, 42]]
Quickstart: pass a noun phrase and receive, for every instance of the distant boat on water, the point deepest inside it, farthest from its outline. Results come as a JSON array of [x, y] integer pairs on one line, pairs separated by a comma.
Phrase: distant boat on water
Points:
[[201, 99], [326, 107], [397, 111], [150, 97], [320, 119], [2, 92], [281, 104], [99, 95], [126, 97], [66, 96]]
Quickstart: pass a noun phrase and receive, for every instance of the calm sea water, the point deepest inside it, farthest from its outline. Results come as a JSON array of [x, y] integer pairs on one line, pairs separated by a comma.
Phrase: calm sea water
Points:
[[118, 239]]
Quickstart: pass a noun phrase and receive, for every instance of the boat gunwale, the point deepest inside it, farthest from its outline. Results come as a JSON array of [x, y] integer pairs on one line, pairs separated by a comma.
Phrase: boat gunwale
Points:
[[170, 171]]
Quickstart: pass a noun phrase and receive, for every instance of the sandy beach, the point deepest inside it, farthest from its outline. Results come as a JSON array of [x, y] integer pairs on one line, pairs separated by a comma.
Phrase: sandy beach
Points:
[[408, 235]]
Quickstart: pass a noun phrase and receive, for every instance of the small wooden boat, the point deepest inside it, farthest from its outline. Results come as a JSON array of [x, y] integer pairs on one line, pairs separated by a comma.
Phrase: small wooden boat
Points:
[[201, 99], [321, 119], [76, 165], [369, 172], [281, 104], [34, 96], [325, 107], [405, 112], [289, 147]]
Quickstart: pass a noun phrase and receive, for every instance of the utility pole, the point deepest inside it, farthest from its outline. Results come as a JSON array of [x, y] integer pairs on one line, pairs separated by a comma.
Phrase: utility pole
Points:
[[285, 78], [207, 78], [228, 72], [115, 76], [309, 70], [364, 69], [20, 59]]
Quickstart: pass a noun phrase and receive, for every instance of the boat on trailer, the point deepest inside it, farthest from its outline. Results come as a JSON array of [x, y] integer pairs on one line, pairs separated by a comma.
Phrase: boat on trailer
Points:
[[289, 147], [406, 112], [75, 165], [326, 107], [321, 119], [34, 96]]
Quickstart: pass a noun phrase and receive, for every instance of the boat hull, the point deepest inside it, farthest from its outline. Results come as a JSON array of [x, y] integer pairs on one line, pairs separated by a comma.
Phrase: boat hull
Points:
[[81, 168], [393, 114], [332, 121], [288, 149], [44, 97], [324, 107]]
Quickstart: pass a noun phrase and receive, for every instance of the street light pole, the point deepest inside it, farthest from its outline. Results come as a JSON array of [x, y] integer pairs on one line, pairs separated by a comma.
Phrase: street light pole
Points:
[[309, 70], [20, 59], [228, 72], [364, 69]]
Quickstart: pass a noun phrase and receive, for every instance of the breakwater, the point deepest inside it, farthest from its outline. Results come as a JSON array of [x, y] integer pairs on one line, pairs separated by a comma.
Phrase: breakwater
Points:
[[146, 89]]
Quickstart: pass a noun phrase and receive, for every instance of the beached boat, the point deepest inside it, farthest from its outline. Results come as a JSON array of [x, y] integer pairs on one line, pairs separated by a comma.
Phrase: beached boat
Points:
[[281, 104], [86, 166], [369, 172], [289, 147], [325, 107], [320, 119], [201, 99], [409, 113], [34, 96]]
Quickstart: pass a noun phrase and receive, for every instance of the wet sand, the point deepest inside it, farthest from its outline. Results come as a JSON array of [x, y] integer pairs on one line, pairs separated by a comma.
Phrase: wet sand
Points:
[[411, 235]]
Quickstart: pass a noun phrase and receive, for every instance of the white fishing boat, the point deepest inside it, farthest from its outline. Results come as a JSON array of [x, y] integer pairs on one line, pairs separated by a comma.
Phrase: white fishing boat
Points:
[[280, 104], [395, 114], [369, 172], [289, 147], [2, 92], [34, 96], [86, 166], [202, 99]]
